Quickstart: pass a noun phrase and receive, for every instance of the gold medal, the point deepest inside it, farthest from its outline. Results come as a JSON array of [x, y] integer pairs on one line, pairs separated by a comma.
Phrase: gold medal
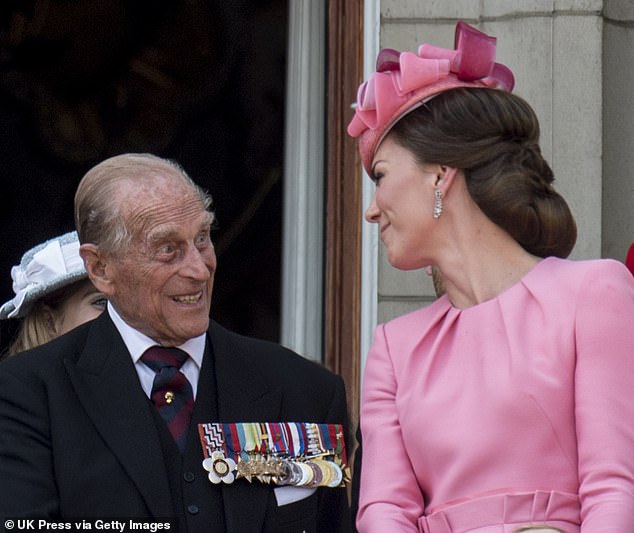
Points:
[[220, 467], [326, 472], [318, 475], [337, 474]]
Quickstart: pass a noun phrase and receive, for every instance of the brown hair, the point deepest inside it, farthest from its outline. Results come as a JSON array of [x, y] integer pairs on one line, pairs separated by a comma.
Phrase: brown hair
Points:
[[493, 137], [97, 213]]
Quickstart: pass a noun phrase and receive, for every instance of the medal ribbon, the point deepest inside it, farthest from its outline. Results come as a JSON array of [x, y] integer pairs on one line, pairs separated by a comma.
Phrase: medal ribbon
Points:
[[293, 440], [298, 448], [336, 432], [303, 437], [288, 439], [325, 438]]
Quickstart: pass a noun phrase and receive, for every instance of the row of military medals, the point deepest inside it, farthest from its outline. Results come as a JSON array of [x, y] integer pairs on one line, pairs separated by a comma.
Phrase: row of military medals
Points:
[[300, 454]]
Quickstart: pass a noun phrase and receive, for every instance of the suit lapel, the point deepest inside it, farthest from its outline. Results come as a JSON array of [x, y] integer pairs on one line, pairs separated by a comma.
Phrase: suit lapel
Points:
[[243, 393], [108, 388], [243, 396]]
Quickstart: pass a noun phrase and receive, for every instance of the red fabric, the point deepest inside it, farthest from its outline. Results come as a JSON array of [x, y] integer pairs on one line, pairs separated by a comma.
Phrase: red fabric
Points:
[[629, 260], [176, 413]]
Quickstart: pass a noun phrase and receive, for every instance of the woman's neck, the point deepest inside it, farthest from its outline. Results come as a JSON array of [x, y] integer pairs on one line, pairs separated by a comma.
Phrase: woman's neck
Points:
[[483, 264]]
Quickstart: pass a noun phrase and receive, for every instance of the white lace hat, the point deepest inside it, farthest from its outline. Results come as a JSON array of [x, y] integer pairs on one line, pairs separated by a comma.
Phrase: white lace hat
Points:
[[43, 269]]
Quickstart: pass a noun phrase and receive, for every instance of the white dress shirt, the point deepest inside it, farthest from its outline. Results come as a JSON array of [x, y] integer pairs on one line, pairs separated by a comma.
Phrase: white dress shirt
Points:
[[137, 343]]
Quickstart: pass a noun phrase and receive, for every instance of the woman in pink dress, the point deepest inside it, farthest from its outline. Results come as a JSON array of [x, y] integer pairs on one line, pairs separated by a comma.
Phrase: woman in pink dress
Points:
[[508, 403]]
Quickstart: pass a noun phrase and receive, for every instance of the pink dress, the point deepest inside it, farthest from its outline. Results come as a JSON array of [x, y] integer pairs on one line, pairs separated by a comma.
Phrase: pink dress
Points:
[[517, 411]]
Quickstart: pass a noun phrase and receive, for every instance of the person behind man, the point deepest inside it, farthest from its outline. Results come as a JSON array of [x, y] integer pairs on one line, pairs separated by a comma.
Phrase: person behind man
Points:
[[79, 436], [52, 293]]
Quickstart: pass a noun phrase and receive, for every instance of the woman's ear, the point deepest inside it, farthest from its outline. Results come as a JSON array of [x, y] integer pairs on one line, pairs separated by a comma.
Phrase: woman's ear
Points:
[[96, 266], [445, 178]]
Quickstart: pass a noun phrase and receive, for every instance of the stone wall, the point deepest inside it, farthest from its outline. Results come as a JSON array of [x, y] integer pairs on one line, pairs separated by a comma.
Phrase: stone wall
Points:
[[618, 128]]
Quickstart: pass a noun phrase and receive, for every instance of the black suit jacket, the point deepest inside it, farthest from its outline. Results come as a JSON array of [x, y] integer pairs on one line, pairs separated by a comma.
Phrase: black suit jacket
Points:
[[78, 437]]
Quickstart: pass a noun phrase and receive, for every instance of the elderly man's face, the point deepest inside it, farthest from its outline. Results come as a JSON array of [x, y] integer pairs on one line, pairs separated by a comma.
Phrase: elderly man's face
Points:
[[162, 285]]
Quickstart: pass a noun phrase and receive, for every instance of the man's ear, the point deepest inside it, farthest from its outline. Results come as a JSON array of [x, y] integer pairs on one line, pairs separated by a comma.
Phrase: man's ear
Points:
[[97, 267], [445, 178]]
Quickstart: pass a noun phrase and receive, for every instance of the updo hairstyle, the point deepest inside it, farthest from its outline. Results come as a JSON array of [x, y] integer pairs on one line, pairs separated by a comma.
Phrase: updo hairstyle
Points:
[[493, 137]]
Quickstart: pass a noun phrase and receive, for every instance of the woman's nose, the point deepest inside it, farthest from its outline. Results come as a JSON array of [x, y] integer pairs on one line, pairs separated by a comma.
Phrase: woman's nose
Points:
[[372, 212]]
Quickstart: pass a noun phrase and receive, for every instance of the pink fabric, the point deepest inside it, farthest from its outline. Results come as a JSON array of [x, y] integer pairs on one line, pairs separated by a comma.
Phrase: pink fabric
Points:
[[532, 391], [403, 81], [506, 513]]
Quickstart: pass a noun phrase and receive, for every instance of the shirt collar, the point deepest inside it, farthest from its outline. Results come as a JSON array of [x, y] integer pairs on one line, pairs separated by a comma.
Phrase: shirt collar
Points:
[[137, 342]]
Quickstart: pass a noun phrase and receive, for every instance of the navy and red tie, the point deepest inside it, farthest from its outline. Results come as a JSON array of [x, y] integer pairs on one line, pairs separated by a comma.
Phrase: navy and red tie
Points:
[[171, 391]]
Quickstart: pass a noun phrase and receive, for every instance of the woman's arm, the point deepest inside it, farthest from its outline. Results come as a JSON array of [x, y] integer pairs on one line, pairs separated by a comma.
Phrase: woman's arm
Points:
[[604, 398], [390, 499]]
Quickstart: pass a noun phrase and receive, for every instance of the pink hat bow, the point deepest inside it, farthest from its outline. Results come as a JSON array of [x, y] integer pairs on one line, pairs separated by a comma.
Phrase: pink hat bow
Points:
[[404, 79]]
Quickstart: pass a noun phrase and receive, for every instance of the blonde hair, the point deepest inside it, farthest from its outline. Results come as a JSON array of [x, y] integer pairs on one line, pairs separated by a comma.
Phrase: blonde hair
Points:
[[34, 329], [37, 326]]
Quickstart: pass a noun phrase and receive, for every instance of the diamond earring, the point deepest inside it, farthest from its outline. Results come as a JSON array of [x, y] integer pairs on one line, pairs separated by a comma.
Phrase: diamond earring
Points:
[[437, 203]]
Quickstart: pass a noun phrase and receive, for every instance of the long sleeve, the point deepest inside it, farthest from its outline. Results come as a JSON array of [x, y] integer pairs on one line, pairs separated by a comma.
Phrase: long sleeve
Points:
[[26, 460], [604, 399], [390, 499]]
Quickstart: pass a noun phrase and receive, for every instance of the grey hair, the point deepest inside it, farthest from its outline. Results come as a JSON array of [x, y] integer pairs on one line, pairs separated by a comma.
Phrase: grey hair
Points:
[[98, 218]]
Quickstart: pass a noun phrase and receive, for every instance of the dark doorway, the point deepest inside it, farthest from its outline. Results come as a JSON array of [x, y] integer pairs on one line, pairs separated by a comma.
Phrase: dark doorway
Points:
[[199, 81]]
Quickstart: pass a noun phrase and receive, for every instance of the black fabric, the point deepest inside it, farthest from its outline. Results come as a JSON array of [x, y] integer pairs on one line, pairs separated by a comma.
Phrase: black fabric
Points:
[[79, 437]]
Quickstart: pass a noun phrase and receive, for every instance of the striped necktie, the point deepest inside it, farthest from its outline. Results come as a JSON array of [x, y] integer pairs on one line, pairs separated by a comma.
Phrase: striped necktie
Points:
[[171, 391]]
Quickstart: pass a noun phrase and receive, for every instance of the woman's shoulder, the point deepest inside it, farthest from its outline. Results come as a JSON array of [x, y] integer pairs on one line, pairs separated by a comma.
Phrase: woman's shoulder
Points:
[[578, 280], [569, 271]]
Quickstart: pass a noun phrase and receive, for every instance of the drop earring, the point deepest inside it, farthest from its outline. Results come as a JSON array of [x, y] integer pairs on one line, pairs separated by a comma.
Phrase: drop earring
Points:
[[437, 203]]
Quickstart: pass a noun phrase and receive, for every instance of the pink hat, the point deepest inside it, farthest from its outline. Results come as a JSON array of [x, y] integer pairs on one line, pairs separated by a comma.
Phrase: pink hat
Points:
[[403, 81], [629, 260]]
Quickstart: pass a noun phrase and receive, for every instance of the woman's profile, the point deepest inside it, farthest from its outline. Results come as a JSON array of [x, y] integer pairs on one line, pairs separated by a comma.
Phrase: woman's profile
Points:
[[506, 404]]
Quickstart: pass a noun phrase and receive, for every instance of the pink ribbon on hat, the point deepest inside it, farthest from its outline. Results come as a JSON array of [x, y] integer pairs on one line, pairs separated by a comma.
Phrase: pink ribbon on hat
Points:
[[407, 77]]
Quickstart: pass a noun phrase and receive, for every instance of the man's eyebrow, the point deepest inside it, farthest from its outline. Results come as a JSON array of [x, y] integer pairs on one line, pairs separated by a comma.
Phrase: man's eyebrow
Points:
[[210, 218], [161, 234], [167, 231]]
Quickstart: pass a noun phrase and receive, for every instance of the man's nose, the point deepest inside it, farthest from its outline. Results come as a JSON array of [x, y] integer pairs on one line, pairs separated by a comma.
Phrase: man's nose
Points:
[[198, 264]]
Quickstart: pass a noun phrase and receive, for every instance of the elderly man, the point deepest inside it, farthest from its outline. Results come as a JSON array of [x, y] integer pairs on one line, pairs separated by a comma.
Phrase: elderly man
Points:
[[103, 422]]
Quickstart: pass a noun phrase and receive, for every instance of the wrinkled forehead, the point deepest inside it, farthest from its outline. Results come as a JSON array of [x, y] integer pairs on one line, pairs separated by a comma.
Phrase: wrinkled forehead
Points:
[[155, 183], [161, 201]]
